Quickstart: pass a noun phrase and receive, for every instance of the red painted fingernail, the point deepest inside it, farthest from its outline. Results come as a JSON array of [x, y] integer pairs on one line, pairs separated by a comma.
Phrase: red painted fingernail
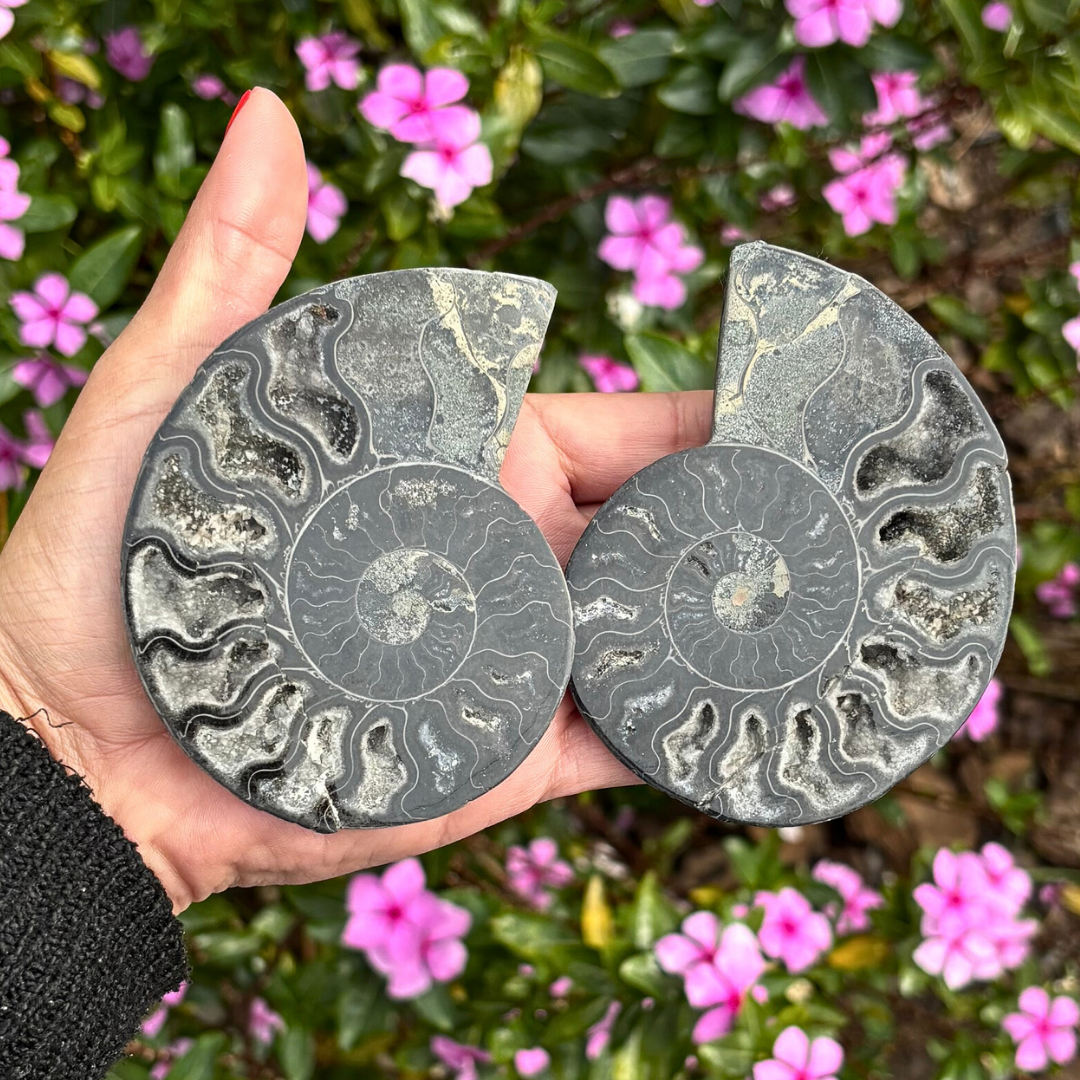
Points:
[[236, 112]]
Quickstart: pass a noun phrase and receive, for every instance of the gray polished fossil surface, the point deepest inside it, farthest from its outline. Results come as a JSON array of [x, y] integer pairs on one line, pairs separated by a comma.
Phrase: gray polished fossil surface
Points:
[[780, 625], [334, 606]]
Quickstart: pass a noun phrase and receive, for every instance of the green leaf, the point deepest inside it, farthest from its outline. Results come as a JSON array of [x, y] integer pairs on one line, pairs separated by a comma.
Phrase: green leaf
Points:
[[296, 1053], [1055, 124], [956, 316], [1050, 16], [437, 1009], [198, 1063], [402, 213], [1031, 645], [639, 58], [175, 151], [531, 936], [756, 62], [573, 1023], [47, 212], [692, 90], [355, 1008], [652, 915], [890, 52], [643, 973], [102, 271], [966, 16], [664, 364], [421, 28], [577, 68], [839, 85]]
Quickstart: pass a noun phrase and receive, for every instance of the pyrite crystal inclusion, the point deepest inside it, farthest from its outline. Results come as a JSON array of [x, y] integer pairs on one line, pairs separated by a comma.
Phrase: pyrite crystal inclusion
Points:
[[334, 606], [780, 625]]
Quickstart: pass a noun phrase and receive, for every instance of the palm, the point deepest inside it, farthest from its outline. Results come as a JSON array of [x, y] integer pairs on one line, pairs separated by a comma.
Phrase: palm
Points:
[[63, 644]]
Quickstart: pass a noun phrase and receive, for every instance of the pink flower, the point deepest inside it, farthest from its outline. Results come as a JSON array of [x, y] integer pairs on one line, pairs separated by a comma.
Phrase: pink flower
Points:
[[821, 22], [38, 448], [1011, 885], [847, 159], [997, 16], [609, 376], [970, 922], [732, 234], [263, 1021], [386, 911], [621, 28], [46, 379], [1043, 1030], [329, 59], [645, 241], [721, 987], [867, 196], [460, 1059], [407, 933], [13, 204], [531, 1062], [456, 163], [125, 53], [1059, 595], [599, 1035], [535, 869], [697, 945], [983, 720], [53, 315], [156, 1020], [795, 1057], [1071, 332], [778, 198], [434, 953], [791, 930], [561, 986], [929, 131], [898, 97], [173, 1051], [857, 897], [717, 969], [7, 20], [325, 208], [209, 87], [786, 100], [406, 102], [11, 464]]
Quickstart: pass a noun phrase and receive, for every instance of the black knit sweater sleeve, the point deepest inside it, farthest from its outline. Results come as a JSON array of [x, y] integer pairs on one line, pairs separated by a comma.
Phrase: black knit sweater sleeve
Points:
[[88, 941]]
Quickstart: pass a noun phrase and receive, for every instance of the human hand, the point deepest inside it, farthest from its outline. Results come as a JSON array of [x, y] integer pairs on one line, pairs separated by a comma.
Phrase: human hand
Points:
[[63, 642]]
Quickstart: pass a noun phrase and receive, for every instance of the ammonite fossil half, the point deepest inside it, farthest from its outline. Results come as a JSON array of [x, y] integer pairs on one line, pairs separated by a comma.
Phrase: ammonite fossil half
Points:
[[778, 626], [333, 605]]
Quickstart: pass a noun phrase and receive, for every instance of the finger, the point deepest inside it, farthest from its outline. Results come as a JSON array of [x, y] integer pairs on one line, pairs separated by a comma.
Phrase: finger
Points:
[[569, 758], [228, 262], [603, 439]]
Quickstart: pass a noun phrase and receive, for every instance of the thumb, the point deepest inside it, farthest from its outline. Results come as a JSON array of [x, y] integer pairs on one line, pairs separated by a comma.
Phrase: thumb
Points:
[[226, 266]]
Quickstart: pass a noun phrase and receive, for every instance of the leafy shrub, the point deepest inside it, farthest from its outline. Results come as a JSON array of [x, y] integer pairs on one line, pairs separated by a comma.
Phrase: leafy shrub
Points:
[[617, 150]]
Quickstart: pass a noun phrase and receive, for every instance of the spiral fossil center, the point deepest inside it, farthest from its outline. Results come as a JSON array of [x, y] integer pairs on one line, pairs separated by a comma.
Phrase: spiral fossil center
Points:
[[390, 596], [754, 596]]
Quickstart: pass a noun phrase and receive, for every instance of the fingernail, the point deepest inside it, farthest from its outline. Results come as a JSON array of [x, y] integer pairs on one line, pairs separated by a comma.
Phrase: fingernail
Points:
[[236, 112]]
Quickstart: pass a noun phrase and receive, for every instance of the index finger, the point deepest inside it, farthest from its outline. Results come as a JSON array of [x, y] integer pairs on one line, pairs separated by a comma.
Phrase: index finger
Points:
[[603, 439]]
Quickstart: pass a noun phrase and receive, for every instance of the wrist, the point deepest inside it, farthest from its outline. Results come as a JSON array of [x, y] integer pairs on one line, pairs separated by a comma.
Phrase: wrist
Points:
[[69, 744]]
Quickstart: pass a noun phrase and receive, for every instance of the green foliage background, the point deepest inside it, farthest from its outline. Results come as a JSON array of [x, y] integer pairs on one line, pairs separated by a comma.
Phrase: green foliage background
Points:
[[572, 115]]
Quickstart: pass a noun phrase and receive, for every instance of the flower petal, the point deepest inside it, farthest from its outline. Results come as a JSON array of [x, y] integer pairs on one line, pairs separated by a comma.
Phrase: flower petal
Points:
[[401, 81], [443, 86], [52, 289], [793, 1047], [714, 1024], [826, 1057]]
